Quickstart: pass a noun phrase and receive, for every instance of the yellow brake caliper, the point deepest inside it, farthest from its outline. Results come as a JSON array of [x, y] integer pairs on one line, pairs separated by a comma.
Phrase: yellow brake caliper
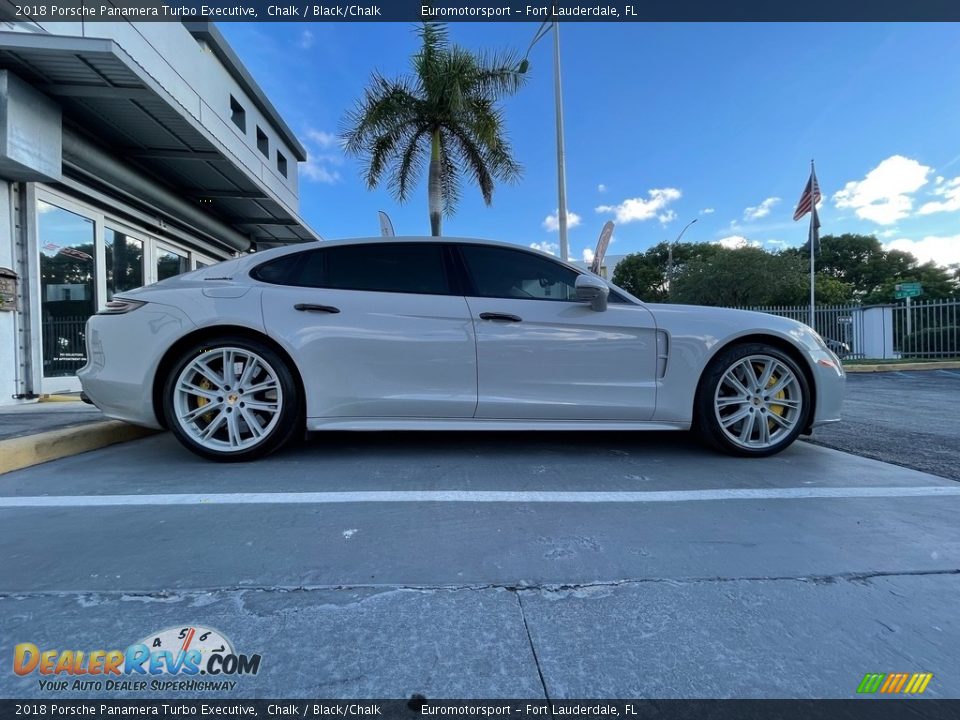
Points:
[[778, 409], [201, 401]]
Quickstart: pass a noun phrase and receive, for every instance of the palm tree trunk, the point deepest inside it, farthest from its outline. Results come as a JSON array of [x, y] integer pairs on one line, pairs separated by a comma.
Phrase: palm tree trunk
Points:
[[434, 191]]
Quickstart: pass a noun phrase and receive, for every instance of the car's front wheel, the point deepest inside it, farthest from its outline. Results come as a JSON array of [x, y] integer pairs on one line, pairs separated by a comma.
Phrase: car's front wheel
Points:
[[232, 399], [753, 400]]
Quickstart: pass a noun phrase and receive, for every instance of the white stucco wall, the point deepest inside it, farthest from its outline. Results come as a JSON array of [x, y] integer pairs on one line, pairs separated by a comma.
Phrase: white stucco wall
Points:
[[8, 339]]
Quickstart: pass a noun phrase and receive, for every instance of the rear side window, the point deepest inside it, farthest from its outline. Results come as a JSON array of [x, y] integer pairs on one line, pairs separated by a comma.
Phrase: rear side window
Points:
[[384, 267], [278, 271]]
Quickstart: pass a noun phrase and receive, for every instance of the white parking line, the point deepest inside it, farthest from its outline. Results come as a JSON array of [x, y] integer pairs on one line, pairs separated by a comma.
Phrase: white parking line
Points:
[[482, 496]]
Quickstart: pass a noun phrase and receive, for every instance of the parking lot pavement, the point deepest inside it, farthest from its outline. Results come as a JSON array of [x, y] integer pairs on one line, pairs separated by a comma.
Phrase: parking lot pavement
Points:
[[906, 418], [560, 565]]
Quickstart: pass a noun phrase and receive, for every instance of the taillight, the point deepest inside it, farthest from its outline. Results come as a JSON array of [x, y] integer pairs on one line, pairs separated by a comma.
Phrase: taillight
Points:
[[119, 306]]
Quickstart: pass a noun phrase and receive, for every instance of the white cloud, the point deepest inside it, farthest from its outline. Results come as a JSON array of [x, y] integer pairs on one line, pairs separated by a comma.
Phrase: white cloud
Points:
[[306, 40], [666, 218], [587, 255], [707, 211], [322, 138], [888, 233], [941, 250], [735, 242], [777, 244], [884, 194], [761, 210], [546, 246], [950, 192], [320, 165], [552, 222], [314, 169], [641, 209], [601, 188]]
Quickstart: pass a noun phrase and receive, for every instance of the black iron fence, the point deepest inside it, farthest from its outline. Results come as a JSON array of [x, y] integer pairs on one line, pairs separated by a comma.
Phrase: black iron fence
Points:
[[64, 345]]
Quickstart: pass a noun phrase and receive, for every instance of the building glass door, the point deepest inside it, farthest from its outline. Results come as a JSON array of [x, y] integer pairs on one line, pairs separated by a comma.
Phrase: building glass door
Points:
[[66, 242], [124, 261]]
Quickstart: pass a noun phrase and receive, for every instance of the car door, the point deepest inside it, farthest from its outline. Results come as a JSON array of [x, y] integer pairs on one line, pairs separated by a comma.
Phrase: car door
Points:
[[375, 330], [543, 354]]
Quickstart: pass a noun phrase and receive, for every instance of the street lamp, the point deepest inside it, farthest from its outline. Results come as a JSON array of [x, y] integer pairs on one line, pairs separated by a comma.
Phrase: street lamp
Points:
[[670, 258], [561, 153]]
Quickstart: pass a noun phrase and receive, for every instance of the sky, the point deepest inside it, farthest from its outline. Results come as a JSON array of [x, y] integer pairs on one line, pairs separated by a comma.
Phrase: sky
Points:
[[665, 123]]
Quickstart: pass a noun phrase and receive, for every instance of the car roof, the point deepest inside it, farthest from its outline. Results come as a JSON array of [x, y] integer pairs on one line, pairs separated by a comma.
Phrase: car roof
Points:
[[288, 249]]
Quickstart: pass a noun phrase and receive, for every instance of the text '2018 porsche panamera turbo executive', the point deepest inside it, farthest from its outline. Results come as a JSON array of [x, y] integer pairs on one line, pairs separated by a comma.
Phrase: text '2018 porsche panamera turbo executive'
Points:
[[443, 333]]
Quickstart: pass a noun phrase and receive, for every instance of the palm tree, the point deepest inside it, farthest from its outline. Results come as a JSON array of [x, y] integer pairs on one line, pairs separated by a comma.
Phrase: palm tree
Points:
[[447, 107]]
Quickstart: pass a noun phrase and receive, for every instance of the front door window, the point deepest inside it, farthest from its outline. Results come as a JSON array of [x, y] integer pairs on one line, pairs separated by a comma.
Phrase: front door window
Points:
[[67, 287]]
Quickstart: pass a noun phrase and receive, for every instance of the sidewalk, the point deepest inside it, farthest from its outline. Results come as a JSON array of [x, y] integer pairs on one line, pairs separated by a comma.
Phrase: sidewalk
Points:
[[34, 433]]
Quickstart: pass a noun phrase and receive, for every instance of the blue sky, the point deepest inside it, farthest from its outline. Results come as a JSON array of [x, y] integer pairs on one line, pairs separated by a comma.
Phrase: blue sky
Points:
[[664, 123]]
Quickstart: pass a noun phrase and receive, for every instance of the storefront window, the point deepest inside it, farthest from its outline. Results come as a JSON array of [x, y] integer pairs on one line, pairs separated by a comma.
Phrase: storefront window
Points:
[[67, 286], [170, 263], [124, 262]]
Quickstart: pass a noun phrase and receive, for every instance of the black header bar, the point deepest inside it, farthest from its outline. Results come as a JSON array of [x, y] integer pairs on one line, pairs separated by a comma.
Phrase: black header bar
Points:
[[483, 10]]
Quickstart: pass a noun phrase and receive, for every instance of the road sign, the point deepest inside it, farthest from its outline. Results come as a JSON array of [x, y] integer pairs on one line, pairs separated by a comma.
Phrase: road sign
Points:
[[908, 292]]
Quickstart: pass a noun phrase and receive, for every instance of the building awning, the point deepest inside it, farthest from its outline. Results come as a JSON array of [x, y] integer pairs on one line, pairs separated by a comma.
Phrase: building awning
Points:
[[110, 99]]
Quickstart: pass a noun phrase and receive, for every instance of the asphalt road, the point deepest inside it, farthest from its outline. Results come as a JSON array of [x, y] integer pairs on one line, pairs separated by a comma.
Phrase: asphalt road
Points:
[[493, 565], [906, 418]]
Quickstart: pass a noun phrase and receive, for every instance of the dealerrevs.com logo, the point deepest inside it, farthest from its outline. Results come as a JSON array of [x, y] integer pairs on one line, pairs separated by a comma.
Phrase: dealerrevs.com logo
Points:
[[170, 660]]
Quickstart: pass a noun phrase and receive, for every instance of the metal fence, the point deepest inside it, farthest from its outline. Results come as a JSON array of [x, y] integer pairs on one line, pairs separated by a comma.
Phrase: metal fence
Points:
[[64, 345], [928, 329], [839, 325]]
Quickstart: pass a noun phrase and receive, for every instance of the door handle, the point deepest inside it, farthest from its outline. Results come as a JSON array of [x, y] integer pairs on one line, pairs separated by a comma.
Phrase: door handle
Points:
[[500, 316], [306, 307]]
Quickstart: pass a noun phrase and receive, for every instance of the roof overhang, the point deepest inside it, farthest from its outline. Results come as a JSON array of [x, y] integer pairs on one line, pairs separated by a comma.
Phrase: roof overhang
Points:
[[105, 95]]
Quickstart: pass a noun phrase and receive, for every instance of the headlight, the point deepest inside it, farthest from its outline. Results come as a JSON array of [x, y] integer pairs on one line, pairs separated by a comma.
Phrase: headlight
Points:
[[821, 343], [119, 306]]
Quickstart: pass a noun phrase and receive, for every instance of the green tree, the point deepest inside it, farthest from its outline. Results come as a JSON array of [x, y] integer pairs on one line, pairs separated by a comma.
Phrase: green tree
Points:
[[742, 277], [645, 274], [448, 109], [871, 272]]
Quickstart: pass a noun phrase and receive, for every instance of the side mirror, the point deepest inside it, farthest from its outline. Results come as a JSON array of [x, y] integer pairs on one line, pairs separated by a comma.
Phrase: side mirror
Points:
[[592, 290]]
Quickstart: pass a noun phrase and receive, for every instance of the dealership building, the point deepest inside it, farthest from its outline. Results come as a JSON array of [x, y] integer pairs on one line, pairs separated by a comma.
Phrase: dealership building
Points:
[[129, 152]]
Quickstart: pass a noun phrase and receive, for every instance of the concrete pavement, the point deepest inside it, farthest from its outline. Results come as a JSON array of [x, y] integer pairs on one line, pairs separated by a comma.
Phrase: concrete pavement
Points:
[[724, 597]]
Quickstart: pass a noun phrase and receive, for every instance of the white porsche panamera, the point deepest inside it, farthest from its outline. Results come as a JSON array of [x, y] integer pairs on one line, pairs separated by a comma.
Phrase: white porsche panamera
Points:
[[442, 333]]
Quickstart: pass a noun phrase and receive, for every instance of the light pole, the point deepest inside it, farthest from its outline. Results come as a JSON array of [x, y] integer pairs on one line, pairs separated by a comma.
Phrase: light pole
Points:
[[561, 152], [670, 258]]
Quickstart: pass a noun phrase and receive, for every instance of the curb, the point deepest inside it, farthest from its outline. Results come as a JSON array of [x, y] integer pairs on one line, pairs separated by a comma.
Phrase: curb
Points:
[[59, 398], [945, 365], [22, 452]]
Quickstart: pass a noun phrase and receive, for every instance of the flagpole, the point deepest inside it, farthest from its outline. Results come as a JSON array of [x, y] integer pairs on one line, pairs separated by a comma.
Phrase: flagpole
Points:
[[813, 215]]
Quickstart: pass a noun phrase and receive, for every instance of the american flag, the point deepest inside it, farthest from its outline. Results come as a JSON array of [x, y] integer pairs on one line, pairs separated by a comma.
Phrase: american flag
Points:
[[810, 197]]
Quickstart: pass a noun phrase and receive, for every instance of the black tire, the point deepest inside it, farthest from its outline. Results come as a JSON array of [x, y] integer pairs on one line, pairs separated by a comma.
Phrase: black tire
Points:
[[281, 427], [706, 416]]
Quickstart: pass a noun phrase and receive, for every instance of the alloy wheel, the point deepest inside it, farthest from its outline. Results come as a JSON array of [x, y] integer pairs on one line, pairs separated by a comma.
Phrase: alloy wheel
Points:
[[758, 401], [228, 399]]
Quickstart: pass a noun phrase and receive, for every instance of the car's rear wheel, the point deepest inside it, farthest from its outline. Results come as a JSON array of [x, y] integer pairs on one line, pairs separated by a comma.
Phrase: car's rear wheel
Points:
[[232, 399], [753, 400]]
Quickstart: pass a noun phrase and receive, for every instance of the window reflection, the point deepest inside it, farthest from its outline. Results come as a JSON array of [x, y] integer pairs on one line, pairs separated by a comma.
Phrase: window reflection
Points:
[[124, 262], [67, 267], [170, 263]]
